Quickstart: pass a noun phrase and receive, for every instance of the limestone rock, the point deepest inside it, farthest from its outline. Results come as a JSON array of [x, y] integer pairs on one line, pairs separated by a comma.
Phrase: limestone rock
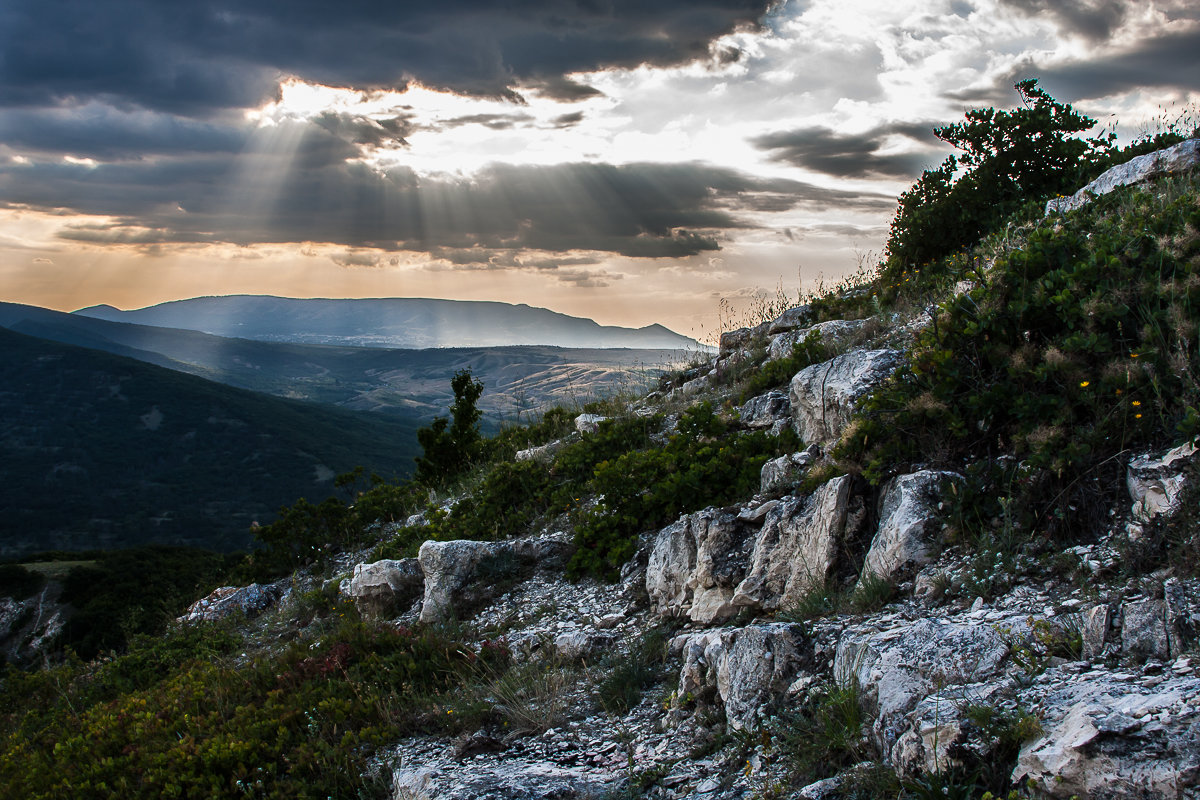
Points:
[[908, 508], [1144, 629], [796, 548], [1096, 624], [896, 668], [794, 317], [451, 569], [1107, 739], [589, 423], [745, 669], [543, 453], [384, 585], [835, 334], [824, 395], [695, 563], [735, 340], [939, 733], [578, 645], [1181, 157], [1156, 482], [780, 474], [227, 600], [765, 410], [515, 781]]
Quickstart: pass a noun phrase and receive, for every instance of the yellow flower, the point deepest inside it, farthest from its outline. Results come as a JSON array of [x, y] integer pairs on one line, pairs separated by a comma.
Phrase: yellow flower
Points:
[[1084, 384], [1133, 355], [1137, 402], [1137, 416]]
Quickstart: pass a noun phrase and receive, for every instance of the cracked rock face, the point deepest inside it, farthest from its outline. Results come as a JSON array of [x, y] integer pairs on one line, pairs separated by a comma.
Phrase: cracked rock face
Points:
[[898, 667], [796, 549], [747, 667], [695, 564], [908, 508], [823, 396], [1109, 739]]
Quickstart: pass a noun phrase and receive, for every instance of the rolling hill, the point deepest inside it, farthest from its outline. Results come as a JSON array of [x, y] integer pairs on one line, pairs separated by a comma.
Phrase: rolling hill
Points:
[[102, 451]]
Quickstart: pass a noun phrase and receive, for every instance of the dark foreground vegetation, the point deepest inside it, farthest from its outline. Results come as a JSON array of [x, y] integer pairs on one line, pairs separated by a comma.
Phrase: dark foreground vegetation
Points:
[[1070, 342]]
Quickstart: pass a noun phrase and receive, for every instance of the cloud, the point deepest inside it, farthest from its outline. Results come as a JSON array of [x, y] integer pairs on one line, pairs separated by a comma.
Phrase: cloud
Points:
[[193, 58], [1094, 20], [853, 155], [637, 210], [1169, 60]]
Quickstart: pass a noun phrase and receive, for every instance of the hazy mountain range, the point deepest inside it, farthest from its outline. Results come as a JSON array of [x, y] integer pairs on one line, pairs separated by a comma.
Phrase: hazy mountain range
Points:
[[395, 322], [409, 382]]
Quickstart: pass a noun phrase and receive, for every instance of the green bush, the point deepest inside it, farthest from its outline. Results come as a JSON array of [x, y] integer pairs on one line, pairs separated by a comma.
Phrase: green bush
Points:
[[703, 464], [1068, 352], [298, 725], [1008, 158]]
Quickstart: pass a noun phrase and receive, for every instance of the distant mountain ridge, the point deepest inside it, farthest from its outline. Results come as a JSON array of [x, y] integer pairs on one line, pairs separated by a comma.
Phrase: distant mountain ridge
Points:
[[395, 322], [409, 383]]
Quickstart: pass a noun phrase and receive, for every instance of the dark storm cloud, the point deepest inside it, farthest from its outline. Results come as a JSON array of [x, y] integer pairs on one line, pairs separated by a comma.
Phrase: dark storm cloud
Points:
[[192, 57], [1169, 61], [367, 131], [638, 210], [1092, 19], [849, 155], [99, 131]]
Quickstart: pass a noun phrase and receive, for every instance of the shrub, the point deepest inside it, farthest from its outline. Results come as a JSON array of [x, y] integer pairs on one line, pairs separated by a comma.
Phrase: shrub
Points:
[[1007, 159], [18, 582]]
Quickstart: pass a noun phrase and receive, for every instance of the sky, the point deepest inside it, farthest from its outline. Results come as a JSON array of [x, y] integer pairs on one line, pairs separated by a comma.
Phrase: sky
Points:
[[630, 161]]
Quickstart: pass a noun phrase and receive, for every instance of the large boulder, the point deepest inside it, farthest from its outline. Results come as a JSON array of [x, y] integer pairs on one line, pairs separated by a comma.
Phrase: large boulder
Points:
[[746, 670], [463, 573], [789, 320], [765, 410], [781, 474], [836, 334], [739, 339], [824, 395], [897, 667], [1179, 158], [228, 600], [385, 585], [908, 517], [796, 549], [1108, 738], [589, 423], [695, 563]]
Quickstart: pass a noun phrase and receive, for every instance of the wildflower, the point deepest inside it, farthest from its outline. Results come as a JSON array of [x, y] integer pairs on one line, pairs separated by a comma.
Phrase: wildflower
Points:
[[1133, 355], [1137, 402], [1137, 416], [1084, 384]]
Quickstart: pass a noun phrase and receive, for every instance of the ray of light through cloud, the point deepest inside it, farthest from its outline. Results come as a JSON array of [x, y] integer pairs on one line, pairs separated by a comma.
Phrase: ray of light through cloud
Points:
[[598, 169]]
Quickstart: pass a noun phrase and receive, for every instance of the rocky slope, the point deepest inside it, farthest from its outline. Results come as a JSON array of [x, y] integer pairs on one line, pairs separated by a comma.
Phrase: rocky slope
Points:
[[851, 627], [1098, 680]]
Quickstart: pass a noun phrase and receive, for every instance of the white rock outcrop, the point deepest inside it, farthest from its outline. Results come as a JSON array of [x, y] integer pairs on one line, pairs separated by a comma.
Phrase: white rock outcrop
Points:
[[908, 514], [1156, 483], [796, 549], [747, 669], [1107, 738], [388, 584], [589, 423], [1181, 157], [836, 334], [695, 563], [895, 668], [227, 600], [824, 395]]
